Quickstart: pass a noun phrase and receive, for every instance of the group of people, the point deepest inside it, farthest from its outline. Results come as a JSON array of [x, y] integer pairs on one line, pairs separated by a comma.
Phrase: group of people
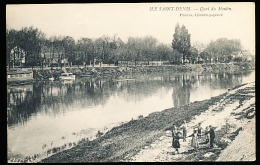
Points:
[[197, 135]]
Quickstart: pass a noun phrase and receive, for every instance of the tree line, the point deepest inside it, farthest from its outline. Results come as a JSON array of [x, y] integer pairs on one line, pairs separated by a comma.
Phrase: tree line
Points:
[[31, 47]]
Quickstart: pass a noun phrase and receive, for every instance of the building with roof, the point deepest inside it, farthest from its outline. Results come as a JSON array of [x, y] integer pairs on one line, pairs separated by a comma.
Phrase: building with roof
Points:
[[246, 55]]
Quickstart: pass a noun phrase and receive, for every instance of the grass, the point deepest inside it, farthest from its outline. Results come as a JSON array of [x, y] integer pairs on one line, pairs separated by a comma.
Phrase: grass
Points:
[[236, 87], [246, 113]]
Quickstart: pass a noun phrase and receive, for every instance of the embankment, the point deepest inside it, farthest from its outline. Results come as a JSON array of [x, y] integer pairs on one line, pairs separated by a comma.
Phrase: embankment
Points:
[[127, 140], [115, 72], [233, 119]]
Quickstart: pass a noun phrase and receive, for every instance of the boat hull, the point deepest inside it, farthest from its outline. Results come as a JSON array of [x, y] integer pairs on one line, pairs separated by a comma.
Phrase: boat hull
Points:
[[67, 77]]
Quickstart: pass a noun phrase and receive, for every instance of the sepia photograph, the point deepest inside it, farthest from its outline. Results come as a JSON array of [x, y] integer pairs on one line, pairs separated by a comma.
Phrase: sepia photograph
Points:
[[130, 82]]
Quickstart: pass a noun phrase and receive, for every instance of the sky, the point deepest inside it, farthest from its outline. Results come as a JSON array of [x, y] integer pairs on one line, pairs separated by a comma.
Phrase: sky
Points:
[[138, 20]]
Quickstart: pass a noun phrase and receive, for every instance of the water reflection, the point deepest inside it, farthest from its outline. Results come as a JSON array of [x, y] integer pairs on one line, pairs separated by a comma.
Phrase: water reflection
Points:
[[57, 100], [54, 97]]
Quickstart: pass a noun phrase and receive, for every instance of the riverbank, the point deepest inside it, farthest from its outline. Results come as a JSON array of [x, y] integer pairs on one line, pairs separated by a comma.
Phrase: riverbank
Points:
[[234, 122], [125, 142], [116, 72]]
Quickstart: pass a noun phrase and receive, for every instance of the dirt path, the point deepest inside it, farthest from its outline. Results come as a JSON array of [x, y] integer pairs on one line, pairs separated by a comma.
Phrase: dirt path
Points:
[[243, 147], [234, 122]]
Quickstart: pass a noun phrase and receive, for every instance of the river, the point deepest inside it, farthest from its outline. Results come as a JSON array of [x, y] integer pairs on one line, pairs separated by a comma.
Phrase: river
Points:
[[49, 114]]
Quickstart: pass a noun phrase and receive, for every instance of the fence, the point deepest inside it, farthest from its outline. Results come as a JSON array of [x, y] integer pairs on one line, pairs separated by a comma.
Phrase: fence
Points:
[[141, 63]]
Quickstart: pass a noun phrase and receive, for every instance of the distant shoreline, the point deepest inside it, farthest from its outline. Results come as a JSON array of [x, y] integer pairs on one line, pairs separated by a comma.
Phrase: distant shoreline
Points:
[[117, 71]]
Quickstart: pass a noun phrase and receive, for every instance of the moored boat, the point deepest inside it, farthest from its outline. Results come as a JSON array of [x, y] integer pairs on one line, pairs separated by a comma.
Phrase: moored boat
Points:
[[67, 76], [19, 77], [51, 78], [87, 74]]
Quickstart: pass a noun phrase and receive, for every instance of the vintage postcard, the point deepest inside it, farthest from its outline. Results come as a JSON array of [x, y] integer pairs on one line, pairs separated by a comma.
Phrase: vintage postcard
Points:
[[146, 82]]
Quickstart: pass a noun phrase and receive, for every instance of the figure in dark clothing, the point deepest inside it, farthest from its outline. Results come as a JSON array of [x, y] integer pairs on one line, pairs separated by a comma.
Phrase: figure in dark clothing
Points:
[[199, 131], [211, 133], [207, 135], [176, 143], [174, 131]]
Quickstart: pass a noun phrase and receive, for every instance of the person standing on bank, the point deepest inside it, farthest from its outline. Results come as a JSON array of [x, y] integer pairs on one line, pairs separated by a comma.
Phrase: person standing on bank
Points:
[[199, 131], [194, 140], [211, 133], [174, 131], [176, 143], [207, 135], [184, 128]]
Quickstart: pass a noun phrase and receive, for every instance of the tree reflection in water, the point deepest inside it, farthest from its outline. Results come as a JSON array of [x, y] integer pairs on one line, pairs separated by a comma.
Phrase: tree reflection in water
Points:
[[55, 97]]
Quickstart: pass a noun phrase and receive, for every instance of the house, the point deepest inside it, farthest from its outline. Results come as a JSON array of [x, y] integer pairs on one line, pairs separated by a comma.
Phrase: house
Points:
[[246, 55], [54, 58], [17, 56], [236, 54]]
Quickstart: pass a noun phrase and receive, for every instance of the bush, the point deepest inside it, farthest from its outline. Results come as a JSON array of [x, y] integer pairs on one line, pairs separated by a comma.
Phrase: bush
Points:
[[99, 134], [237, 59]]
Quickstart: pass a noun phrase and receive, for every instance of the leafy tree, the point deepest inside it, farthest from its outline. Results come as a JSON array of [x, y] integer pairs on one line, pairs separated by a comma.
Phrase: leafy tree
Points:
[[193, 54], [69, 47], [11, 42], [119, 53], [176, 57], [181, 40], [163, 52], [131, 49], [45, 51], [199, 46], [107, 50], [237, 59], [222, 48], [99, 49], [29, 40], [85, 45], [112, 47], [205, 56]]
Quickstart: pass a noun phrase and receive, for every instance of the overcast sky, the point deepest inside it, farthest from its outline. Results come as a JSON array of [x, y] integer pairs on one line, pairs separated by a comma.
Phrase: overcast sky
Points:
[[96, 20]]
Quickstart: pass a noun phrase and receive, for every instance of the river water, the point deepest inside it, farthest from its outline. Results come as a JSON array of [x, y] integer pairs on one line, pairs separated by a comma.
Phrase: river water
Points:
[[43, 115]]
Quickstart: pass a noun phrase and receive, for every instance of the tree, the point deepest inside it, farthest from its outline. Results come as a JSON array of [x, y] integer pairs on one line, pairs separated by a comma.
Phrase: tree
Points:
[[69, 47], [149, 45], [237, 59], [11, 42], [193, 54], [29, 40], [181, 41], [222, 48], [164, 52], [132, 49], [176, 57], [199, 46], [205, 56], [107, 49], [119, 53], [85, 45], [45, 51], [99, 49], [59, 50], [113, 56]]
